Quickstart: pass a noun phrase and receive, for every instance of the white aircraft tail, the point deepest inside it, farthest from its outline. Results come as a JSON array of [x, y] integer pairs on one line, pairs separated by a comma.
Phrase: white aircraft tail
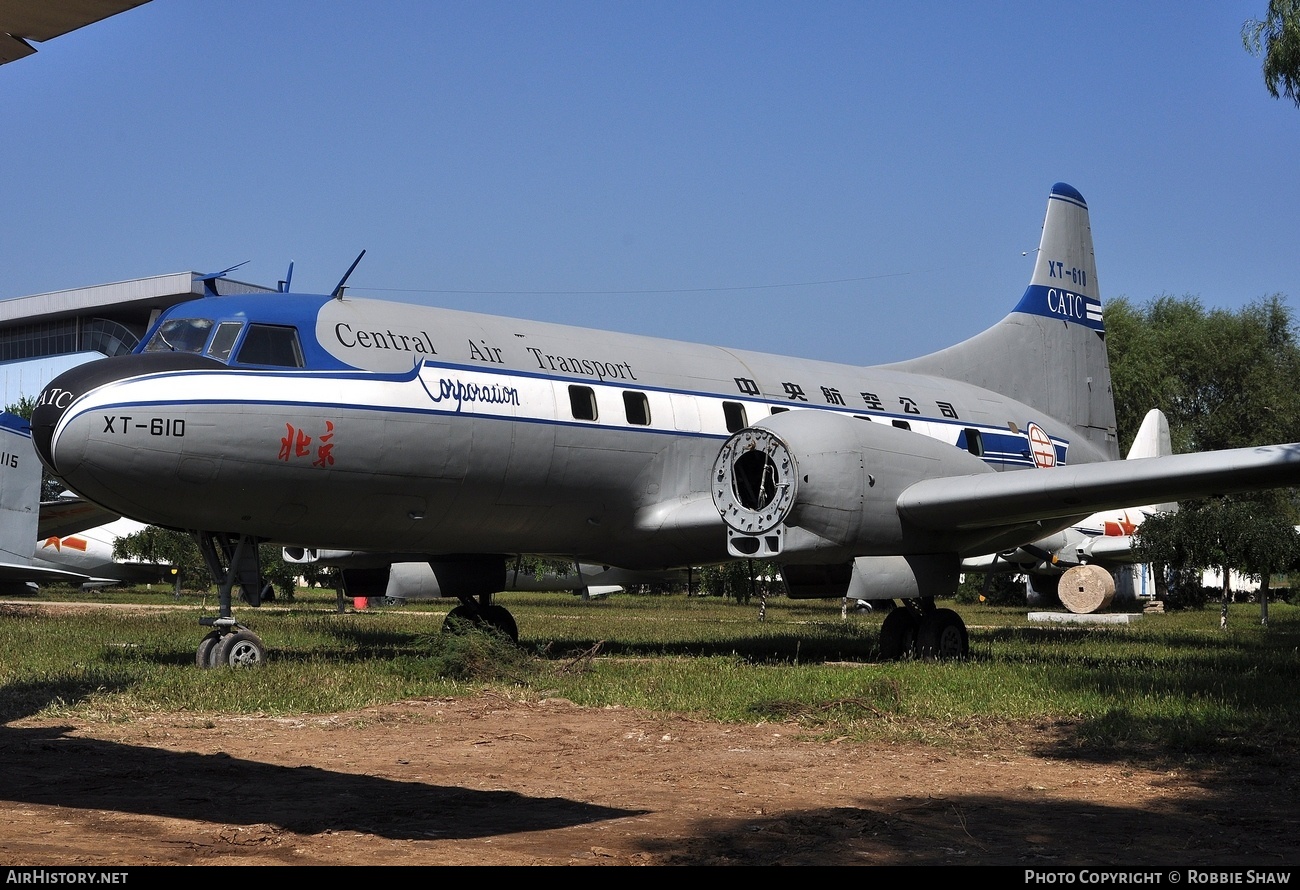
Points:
[[1050, 352], [1152, 440], [1114, 528], [20, 490]]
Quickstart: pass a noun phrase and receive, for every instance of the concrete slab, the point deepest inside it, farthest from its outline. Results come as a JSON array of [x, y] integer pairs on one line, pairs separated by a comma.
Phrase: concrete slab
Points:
[[1074, 618]]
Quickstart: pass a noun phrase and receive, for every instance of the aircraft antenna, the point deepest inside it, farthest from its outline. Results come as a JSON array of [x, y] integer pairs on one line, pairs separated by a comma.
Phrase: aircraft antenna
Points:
[[283, 286], [337, 293], [210, 280]]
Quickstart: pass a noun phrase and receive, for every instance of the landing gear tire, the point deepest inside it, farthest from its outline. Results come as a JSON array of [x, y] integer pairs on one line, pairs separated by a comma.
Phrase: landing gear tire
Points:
[[460, 619], [500, 618], [942, 636], [241, 649], [207, 648], [898, 635], [463, 617]]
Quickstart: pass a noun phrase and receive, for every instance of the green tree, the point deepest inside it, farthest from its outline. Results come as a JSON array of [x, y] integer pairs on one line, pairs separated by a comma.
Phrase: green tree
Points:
[[740, 579], [1276, 37], [160, 545], [179, 550], [1264, 547], [1224, 380], [1230, 534], [23, 407]]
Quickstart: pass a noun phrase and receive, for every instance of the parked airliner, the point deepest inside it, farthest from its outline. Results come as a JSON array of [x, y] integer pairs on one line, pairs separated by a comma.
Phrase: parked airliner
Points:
[[461, 440]]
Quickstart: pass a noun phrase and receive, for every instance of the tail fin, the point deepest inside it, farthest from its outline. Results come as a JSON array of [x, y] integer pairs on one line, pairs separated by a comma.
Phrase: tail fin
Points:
[[1050, 352], [20, 490], [1152, 440], [20, 510]]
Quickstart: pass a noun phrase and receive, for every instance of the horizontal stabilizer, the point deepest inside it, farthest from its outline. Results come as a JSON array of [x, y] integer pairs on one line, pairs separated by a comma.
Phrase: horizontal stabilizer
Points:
[[997, 499], [68, 516]]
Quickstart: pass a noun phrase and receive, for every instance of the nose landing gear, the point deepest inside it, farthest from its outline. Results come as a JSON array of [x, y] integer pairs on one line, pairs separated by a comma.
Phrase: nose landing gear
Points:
[[236, 647], [232, 560]]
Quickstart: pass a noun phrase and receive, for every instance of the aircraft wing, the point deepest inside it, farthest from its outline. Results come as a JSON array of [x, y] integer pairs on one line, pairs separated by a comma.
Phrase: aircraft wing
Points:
[[996, 499], [68, 516], [22, 20]]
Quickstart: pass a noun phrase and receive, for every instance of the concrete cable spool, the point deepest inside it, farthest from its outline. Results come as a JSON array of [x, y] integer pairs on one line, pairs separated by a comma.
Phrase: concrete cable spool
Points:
[[1087, 589]]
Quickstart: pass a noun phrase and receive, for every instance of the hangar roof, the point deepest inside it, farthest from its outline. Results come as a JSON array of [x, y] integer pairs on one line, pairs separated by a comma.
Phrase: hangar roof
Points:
[[140, 299], [108, 319]]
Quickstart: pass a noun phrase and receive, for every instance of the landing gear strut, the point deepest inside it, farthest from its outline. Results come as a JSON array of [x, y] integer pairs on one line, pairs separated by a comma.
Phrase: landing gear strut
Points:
[[232, 560]]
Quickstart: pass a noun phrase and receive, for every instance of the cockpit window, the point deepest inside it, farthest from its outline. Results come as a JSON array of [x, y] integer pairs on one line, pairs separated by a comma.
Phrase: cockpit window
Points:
[[180, 335], [267, 344], [224, 340]]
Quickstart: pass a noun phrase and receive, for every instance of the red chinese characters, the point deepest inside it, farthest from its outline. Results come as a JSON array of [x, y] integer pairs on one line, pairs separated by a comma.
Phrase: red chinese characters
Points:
[[296, 443]]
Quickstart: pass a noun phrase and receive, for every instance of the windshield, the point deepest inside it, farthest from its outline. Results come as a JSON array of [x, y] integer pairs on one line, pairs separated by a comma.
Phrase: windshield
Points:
[[180, 335]]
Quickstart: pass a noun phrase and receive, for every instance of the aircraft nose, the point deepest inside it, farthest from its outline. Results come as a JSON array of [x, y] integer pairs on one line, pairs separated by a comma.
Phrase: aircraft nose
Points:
[[53, 401], [64, 390]]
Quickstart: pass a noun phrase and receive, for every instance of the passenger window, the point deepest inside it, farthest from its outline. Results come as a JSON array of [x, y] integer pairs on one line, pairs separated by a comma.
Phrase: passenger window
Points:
[[274, 345], [582, 401], [735, 414], [902, 424], [637, 408], [974, 442], [180, 335], [224, 340]]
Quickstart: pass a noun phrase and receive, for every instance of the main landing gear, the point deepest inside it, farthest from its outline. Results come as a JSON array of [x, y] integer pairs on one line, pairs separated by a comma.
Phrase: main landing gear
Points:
[[232, 560], [919, 630], [481, 613]]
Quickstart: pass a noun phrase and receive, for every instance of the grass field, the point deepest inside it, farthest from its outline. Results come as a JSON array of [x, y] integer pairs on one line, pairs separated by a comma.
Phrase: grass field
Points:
[[1174, 683]]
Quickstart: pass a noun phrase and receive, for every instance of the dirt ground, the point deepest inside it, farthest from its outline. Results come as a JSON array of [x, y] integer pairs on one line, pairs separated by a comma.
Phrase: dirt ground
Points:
[[492, 781]]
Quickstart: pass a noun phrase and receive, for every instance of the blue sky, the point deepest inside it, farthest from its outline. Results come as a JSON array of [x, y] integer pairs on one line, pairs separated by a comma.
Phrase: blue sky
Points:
[[855, 182]]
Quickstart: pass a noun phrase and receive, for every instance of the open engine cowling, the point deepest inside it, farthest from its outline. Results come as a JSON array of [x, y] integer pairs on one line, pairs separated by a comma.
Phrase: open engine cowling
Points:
[[833, 475]]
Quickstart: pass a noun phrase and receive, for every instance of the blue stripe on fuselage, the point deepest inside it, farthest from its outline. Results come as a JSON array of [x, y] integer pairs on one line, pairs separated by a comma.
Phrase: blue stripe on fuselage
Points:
[[1000, 447]]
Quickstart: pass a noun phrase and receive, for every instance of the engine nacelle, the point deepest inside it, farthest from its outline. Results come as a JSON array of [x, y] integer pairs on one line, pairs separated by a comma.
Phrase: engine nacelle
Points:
[[834, 475], [875, 578], [344, 559]]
